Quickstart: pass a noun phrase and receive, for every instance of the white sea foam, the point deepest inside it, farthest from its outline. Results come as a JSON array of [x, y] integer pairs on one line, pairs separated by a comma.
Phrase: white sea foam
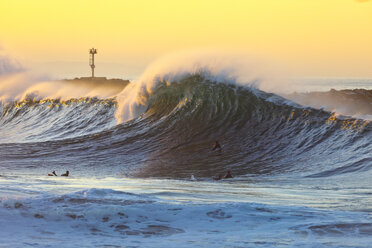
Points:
[[146, 213]]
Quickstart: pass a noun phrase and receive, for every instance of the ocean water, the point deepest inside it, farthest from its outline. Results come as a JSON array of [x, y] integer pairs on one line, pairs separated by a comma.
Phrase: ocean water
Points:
[[142, 172]]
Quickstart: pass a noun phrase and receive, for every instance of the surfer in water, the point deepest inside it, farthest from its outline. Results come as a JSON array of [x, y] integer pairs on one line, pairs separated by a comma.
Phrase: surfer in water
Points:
[[217, 146], [218, 178], [66, 174], [53, 174], [228, 175]]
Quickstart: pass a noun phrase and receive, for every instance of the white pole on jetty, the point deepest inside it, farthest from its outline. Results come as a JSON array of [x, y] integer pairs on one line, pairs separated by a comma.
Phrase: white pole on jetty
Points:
[[91, 59]]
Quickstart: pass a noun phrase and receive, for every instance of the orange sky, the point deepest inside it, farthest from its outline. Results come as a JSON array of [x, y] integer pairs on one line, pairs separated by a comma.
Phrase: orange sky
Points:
[[311, 37]]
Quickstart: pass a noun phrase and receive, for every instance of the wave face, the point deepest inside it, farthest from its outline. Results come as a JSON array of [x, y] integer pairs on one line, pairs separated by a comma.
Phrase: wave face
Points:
[[33, 120], [260, 134]]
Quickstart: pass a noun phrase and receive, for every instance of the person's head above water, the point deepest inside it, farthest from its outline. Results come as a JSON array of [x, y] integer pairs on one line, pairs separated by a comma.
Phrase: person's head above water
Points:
[[216, 146], [228, 175], [66, 174], [53, 174]]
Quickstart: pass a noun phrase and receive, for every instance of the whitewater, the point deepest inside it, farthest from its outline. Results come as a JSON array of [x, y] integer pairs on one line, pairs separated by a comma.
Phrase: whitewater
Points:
[[142, 167]]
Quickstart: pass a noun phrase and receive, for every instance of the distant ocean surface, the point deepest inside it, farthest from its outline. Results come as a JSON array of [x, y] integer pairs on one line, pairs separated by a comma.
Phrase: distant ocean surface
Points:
[[302, 166], [326, 84]]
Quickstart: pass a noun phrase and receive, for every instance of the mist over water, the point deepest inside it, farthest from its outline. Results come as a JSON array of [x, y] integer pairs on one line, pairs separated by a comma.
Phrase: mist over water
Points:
[[8, 65]]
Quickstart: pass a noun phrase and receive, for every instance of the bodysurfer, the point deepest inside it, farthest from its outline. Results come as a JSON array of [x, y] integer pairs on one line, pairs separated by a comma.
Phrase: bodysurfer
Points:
[[228, 175], [53, 174], [66, 174], [217, 146], [218, 178]]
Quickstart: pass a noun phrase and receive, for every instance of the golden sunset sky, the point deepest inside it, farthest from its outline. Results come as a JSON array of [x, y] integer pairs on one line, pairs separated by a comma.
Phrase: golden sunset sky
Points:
[[311, 37]]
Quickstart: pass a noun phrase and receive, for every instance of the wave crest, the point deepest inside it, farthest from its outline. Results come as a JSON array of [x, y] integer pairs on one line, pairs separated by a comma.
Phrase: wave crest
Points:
[[33, 120]]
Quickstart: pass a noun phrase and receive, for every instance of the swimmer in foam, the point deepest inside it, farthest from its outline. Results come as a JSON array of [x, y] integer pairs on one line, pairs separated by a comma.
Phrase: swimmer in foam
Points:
[[53, 174], [228, 175], [66, 174], [218, 178]]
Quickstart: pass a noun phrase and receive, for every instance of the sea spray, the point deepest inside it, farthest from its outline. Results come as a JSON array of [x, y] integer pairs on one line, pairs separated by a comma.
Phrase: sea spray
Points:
[[213, 66]]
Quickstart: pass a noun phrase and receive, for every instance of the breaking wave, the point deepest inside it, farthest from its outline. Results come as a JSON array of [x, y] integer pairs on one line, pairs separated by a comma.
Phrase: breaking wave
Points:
[[174, 129]]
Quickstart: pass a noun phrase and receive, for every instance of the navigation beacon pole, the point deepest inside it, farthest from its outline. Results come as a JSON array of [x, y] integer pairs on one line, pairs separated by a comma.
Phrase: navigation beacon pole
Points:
[[91, 60]]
